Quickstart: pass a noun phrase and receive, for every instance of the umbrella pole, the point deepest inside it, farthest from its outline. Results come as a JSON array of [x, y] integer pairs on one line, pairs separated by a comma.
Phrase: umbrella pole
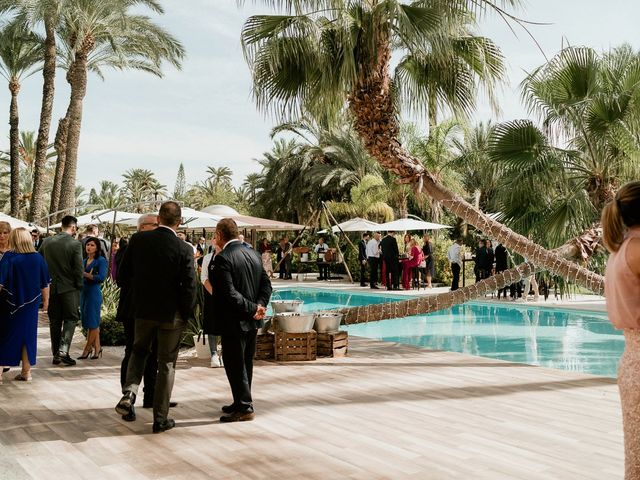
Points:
[[310, 222], [344, 261]]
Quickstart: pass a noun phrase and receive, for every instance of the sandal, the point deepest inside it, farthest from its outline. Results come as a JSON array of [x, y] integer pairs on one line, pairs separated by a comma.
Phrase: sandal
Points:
[[21, 377]]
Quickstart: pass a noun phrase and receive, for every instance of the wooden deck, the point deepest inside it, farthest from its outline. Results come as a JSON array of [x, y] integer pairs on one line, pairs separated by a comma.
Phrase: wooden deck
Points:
[[387, 411]]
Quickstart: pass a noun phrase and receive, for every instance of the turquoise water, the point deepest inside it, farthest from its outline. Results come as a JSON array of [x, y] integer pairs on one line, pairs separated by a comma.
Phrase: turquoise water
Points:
[[582, 341]]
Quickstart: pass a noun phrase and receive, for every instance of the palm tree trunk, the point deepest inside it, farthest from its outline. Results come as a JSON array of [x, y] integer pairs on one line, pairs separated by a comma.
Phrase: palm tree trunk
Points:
[[48, 89], [77, 77], [432, 110], [14, 149], [375, 120], [60, 146], [433, 303]]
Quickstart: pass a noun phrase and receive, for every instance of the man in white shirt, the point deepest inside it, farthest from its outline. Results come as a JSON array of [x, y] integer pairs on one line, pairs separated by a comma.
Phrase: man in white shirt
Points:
[[373, 257], [323, 267], [454, 254]]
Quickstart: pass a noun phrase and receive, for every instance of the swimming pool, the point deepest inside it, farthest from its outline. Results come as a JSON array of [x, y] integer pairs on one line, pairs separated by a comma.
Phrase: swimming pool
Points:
[[582, 341]]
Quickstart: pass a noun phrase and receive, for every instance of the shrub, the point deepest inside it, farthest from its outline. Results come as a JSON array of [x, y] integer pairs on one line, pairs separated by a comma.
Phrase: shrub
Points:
[[111, 331]]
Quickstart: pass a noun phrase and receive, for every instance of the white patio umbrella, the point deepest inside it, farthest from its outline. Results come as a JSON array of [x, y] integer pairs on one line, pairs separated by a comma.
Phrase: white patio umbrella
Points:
[[192, 219], [355, 225], [104, 216], [16, 223], [406, 224]]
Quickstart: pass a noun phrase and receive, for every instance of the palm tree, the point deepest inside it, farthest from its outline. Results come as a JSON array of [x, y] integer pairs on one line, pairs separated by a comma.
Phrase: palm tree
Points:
[[220, 176], [589, 104], [252, 184], [20, 57], [367, 200], [323, 53], [99, 34], [109, 196], [47, 13], [140, 186]]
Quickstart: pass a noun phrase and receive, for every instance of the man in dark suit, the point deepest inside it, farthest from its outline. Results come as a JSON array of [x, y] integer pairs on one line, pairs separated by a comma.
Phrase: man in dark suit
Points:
[[362, 258], [63, 254], [390, 255], [126, 316], [159, 269], [241, 292]]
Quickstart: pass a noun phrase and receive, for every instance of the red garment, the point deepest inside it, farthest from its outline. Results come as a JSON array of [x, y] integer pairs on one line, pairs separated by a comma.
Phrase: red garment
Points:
[[409, 265]]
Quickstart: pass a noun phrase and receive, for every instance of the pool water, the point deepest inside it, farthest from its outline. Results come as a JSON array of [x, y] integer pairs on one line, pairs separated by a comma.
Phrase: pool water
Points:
[[582, 341]]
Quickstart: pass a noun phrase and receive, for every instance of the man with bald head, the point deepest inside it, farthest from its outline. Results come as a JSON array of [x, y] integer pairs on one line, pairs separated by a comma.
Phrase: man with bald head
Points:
[[146, 223]]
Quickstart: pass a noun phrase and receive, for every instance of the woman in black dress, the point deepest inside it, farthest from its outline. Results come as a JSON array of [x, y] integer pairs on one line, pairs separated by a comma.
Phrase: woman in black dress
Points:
[[429, 264]]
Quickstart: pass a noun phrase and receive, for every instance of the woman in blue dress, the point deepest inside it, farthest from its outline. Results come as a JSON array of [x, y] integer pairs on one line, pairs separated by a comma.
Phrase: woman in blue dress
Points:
[[24, 283], [95, 271]]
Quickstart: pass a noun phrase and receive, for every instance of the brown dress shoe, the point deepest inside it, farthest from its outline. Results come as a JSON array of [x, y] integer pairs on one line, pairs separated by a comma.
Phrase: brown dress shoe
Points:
[[238, 417]]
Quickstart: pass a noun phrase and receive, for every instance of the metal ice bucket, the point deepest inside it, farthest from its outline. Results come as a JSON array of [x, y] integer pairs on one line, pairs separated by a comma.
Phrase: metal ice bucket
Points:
[[290, 322], [283, 306], [327, 322]]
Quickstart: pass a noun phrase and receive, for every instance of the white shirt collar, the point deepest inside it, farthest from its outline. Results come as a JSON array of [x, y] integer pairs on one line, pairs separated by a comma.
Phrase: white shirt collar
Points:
[[230, 241]]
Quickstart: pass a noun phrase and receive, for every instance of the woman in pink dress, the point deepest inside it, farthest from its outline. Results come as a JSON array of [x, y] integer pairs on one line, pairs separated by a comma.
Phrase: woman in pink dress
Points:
[[408, 265], [621, 236]]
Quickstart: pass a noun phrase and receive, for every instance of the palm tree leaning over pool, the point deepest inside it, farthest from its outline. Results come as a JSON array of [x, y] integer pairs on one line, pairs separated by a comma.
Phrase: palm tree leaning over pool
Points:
[[326, 54], [20, 57], [98, 34]]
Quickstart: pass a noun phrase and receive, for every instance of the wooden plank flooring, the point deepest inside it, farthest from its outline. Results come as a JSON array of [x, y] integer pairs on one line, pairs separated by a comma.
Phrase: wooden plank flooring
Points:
[[386, 411]]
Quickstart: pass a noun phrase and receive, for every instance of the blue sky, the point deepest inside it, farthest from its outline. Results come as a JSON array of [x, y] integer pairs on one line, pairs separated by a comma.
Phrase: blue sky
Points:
[[204, 114]]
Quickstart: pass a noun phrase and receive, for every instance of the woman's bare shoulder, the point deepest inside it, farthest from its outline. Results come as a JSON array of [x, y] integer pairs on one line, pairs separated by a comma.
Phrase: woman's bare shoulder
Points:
[[633, 255]]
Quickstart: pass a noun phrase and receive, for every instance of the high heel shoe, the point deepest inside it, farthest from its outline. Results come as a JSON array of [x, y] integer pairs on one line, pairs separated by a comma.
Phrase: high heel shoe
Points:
[[97, 355], [85, 355]]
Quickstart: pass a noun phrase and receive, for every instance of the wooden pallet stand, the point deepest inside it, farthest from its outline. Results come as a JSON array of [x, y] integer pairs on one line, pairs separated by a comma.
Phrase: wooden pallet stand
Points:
[[291, 347], [265, 346], [333, 344]]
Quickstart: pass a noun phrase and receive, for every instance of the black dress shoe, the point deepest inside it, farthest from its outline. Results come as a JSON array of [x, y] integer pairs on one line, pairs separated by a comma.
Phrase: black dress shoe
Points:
[[131, 416], [229, 408], [56, 360], [375, 287], [163, 426], [67, 360], [125, 405], [238, 417]]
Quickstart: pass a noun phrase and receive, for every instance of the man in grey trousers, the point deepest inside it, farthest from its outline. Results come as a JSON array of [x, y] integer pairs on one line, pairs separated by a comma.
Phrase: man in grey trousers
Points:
[[63, 254], [158, 269]]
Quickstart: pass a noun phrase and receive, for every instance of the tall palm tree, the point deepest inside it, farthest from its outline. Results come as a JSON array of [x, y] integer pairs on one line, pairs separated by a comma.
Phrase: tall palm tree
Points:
[[140, 186], [252, 184], [46, 13], [99, 34], [220, 176], [20, 57], [322, 53]]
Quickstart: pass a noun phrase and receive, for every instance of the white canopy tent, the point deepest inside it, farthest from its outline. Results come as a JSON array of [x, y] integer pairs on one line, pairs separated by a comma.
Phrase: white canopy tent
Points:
[[191, 219], [104, 216], [355, 225], [16, 223], [407, 224]]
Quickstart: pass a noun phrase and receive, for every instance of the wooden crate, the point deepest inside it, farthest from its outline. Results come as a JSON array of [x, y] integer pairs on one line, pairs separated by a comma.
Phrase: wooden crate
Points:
[[291, 347], [333, 344], [265, 346]]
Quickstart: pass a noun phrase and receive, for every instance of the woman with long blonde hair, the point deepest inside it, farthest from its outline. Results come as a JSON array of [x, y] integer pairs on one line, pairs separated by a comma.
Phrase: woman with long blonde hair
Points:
[[5, 230], [621, 235], [24, 283]]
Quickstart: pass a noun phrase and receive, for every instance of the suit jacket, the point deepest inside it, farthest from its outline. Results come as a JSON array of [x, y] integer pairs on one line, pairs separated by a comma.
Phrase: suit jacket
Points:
[[63, 255], [158, 270], [362, 250], [239, 285], [389, 247]]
